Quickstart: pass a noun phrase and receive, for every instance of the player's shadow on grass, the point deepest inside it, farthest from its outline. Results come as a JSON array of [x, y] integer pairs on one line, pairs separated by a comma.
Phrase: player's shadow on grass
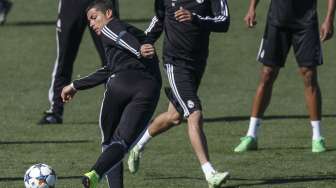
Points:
[[280, 180], [270, 117], [8, 179], [53, 22], [45, 142], [174, 178], [228, 119]]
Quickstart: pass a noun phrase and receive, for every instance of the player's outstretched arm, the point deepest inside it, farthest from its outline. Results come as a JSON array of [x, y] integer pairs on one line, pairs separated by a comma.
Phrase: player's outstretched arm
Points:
[[250, 18], [327, 27]]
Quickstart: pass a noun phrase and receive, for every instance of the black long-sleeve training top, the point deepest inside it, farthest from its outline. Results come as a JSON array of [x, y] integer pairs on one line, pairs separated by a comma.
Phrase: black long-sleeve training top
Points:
[[188, 40], [122, 44], [293, 13]]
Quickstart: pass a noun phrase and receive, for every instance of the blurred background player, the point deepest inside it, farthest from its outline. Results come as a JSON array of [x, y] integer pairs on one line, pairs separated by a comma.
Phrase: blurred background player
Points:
[[5, 7], [132, 90], [70, 26], [290, 23], [187, 26]]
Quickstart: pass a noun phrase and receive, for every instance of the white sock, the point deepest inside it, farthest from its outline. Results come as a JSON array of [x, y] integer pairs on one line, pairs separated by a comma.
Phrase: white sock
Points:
[[207, 169], [316, 129], [253, 127], [144, 139]]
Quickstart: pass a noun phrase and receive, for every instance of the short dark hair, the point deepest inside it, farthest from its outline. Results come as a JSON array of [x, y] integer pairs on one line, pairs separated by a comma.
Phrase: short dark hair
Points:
[[100, 5]]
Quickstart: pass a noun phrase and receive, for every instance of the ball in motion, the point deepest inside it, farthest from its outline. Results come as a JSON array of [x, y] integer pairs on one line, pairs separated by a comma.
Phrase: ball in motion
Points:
[[40, 176]]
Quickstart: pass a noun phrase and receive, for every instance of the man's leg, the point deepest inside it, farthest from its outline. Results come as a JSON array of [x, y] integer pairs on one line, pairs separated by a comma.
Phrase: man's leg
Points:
[[314, 105], [70, 26], [5, 7], [160, 124], [260, 103], [131, 113], [200, 147]]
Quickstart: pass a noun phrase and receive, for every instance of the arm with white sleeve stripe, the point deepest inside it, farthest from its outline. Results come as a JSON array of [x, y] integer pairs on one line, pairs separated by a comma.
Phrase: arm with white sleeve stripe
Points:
[[115, 33], [92, 80], [219, 22], [155, 28]]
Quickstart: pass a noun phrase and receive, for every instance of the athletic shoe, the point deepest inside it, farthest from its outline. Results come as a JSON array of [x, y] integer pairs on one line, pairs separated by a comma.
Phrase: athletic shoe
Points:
[[5, 7], [247, 143], [90, 179], [134, 159], [50, 118], [216, 179], [318, 145]]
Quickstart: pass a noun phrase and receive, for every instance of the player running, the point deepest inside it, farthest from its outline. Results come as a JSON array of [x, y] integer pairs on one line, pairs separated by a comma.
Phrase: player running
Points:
[[187, 25]]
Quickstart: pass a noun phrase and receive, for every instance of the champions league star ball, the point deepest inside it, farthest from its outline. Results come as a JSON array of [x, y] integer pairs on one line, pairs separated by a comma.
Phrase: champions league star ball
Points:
[[40, 176]]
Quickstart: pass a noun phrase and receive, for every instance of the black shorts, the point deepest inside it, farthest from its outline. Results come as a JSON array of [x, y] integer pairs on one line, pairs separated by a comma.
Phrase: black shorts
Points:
[[184, 82], [278, 40]]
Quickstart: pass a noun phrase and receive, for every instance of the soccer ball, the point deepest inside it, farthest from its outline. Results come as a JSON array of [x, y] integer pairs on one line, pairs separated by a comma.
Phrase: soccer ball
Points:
[[40, 176]]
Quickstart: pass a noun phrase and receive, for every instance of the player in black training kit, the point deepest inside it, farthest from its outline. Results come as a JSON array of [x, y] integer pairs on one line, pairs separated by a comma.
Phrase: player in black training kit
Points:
[[187, 25], [70, 26], [290, 23], [132, 90]]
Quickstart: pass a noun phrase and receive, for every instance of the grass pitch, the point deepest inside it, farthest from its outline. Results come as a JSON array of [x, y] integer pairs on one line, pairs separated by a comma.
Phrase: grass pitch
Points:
[[27, 54]]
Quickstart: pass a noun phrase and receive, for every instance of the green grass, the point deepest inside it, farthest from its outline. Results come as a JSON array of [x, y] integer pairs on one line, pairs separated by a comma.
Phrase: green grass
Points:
[[27, 52]]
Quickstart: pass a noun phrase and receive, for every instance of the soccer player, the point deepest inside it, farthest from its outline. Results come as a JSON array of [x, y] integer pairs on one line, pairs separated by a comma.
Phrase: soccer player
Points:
[[70, 26], [187, 26], [289, 23], [132, 90]]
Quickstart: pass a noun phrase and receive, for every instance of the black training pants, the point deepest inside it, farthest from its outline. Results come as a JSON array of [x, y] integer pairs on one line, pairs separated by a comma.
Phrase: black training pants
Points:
[[129, 103]]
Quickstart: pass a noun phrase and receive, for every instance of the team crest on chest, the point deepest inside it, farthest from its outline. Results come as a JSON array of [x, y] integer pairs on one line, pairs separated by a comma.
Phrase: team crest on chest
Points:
[[200, 1]]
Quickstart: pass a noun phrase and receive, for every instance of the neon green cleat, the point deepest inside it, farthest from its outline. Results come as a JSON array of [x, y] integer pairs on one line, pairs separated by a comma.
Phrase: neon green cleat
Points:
[[247, 143], [90, 179], [318, 145], [215, 180], [134, 159]]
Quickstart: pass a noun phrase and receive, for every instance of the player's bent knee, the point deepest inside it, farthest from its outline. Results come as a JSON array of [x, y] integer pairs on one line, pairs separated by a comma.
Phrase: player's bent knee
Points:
[[175, 118], [121, 143], [309, 78], [268, 76]]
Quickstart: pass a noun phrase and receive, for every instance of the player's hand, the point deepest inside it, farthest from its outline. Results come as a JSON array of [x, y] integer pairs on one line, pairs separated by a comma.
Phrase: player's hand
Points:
[[147, 51], [68, 92], [326, 30], [250, 19], [183, 15]]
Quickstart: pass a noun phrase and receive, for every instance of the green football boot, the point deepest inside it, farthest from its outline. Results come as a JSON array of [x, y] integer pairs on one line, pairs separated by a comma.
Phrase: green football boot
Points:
[[134, 159], [318, 145], [90, 179], [216, 179], [247, 143]]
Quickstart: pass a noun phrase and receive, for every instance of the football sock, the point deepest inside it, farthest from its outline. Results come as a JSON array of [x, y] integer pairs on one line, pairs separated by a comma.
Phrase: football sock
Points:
[[253, 127], [109, 158], [207, 169], [316, 129], [144, 139]]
